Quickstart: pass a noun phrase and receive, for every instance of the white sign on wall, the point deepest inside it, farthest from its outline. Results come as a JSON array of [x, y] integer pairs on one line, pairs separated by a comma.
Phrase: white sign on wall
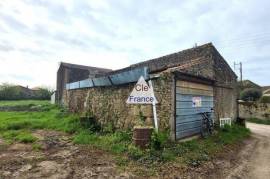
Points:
[[142, 93], [196, 101]]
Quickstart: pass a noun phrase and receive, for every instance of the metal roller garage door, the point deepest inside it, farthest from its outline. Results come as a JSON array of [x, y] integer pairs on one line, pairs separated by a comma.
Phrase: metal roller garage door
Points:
[[191, 100]]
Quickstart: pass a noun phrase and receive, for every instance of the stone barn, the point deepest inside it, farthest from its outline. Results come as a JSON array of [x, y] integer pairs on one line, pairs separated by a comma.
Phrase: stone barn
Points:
[[185, 84], [68, 73]]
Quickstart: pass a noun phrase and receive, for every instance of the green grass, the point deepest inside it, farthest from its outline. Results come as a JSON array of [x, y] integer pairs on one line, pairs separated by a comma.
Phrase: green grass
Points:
[[17, 126], [115, 142], [24, 102], [259, 121], [19, 136]]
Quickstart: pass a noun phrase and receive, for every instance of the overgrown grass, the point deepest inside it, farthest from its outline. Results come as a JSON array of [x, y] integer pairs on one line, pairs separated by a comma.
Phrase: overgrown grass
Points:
[[259, 121], [192, 152], [115, 142]]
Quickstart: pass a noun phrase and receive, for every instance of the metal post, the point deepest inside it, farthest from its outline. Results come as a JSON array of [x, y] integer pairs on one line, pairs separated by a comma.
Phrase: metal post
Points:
[[155, 116], [154, 107]]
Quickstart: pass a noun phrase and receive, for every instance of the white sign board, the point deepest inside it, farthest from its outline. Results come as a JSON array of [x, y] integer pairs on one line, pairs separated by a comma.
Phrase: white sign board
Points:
[[142, 93], [196, 102]]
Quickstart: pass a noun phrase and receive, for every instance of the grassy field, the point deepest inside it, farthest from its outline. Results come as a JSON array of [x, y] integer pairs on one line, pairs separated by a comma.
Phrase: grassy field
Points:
[[18, 127]]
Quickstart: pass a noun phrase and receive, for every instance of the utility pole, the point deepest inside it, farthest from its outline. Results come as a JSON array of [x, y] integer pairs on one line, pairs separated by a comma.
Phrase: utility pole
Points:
[[240, 69]]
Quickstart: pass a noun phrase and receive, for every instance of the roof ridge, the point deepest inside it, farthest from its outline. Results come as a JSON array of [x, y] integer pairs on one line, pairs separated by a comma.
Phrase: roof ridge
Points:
[[171, 54], [83, 66]]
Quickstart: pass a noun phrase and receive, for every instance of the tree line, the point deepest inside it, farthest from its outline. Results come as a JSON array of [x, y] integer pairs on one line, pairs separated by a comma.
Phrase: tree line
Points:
[[16, 92]]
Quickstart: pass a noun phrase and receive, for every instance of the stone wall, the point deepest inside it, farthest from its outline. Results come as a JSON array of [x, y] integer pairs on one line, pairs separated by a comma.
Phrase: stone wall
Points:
[[225, 103], [108, 104], [254, 110], [225, 88]]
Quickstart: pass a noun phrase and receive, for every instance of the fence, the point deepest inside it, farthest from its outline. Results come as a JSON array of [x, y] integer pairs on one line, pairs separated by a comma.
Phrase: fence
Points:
[[115, 79]]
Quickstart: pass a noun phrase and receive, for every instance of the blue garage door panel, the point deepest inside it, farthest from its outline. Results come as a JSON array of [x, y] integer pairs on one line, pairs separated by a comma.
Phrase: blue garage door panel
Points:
[[188, 125], [188, 117], [187, 133]]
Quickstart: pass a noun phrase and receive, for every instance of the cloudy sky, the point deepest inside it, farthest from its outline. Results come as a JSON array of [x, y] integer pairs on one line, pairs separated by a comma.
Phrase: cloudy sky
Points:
[[35, 35]]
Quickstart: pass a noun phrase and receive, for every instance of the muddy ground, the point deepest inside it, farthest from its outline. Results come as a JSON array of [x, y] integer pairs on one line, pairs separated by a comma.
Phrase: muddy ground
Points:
[[58, 158]]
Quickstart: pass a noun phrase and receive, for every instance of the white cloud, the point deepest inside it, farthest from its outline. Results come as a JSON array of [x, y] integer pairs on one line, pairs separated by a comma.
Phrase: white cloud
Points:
[[37, 34]]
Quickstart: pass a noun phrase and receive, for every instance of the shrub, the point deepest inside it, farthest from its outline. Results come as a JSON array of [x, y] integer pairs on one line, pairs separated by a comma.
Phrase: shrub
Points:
[[265, 99], [251, 94], [42, 94], [158, 140], [90, 123]]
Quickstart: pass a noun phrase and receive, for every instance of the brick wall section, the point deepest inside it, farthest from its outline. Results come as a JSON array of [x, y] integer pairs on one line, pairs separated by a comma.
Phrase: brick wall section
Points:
[[108, 104]]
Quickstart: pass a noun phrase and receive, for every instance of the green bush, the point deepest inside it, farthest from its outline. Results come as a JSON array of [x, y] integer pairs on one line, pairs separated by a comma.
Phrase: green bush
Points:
[[42, 94], [250, 94], [265, 99], [158, 140], [90, 123]]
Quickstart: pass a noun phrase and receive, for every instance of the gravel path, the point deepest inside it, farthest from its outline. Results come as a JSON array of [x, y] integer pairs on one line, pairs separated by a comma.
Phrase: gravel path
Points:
[[255, 159]]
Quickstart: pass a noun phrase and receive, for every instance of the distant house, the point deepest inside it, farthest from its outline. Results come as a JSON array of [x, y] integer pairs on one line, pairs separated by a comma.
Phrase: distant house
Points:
[[186, 84], [68, 73], [25, 91], [248, 84], [266, 90], [36, 89]]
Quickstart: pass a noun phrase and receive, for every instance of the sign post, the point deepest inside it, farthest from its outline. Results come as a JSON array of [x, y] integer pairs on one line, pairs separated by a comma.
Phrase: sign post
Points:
[[144, 94], [154, 107]]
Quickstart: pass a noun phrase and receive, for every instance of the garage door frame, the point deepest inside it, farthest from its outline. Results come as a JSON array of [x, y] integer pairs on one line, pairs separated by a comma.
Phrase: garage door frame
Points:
[[189, 78]]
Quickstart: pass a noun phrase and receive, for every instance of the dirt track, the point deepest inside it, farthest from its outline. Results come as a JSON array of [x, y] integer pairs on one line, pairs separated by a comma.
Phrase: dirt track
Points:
[[255, 159], [58, 159]]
